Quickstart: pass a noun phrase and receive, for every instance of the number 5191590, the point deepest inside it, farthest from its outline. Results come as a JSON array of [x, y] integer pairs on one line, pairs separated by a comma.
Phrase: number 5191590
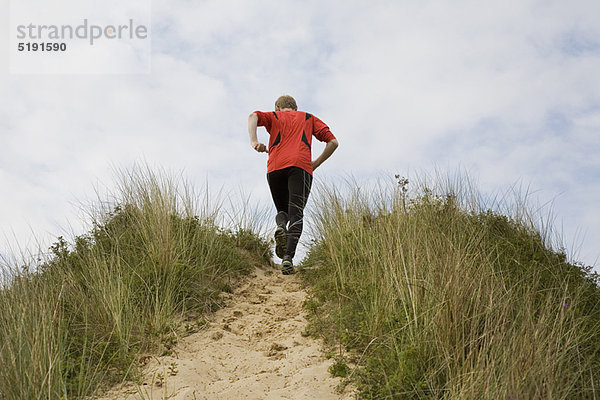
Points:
[[42, 47]]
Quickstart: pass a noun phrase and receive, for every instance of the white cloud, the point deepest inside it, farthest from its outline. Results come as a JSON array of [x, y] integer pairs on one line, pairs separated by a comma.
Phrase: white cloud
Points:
[[507, 89]]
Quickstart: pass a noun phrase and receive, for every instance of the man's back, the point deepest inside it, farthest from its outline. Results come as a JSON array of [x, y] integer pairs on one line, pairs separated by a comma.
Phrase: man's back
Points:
[[290, 138]]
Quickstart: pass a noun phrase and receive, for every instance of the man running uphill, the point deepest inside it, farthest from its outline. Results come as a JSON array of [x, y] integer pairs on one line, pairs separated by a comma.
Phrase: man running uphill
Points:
[[290, 167]]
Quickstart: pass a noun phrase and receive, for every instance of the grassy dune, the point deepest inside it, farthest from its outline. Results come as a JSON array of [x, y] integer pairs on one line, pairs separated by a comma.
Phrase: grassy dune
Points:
[[153, 262], [431, 295], [427, 294]]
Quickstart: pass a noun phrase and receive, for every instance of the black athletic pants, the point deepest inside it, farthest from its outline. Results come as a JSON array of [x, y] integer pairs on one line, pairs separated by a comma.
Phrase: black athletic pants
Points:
[[290, 188]]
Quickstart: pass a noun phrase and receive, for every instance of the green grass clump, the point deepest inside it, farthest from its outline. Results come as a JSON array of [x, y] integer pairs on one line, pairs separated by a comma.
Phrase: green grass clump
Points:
[[436, 297], [79, 320]]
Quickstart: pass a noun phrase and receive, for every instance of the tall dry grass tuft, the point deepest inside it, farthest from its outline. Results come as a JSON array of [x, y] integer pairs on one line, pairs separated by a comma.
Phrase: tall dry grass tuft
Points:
[[436, 296], [81, 317]]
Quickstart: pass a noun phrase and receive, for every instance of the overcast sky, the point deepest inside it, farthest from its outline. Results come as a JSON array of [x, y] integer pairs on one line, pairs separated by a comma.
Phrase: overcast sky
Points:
[[507, 90]]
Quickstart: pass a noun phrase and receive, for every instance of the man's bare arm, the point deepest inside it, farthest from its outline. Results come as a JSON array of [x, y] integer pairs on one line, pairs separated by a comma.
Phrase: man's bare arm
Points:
[[327, 152], [252, 125]]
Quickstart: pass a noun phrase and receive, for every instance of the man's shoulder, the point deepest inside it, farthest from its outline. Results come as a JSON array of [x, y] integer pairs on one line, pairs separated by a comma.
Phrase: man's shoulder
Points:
[[290, 114], [298, 115], [302, 114]]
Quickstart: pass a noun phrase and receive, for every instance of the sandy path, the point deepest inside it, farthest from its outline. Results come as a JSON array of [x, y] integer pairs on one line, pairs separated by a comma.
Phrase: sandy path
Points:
[[252, 349]]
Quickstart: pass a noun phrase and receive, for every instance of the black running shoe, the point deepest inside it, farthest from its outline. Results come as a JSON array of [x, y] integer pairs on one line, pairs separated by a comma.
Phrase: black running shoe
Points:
[[280, 241], [287, 268]]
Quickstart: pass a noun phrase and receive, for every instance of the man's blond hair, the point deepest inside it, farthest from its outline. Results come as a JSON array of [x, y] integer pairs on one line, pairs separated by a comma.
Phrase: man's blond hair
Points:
[[286, 102]]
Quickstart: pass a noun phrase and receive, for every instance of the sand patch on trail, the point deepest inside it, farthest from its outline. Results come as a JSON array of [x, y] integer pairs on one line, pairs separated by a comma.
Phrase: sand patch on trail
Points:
[[252, 349]]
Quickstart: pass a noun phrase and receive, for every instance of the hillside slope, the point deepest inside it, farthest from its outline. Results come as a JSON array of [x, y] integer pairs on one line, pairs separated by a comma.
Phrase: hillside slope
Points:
[[438, 295], [431, 294]]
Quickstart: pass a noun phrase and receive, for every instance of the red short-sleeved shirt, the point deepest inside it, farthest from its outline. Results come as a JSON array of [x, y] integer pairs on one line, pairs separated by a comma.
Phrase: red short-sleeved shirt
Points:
[[290, 139]]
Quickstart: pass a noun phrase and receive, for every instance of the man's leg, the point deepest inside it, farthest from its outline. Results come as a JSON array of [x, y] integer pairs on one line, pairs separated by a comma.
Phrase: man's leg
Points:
[[299, 184], [278, 184]]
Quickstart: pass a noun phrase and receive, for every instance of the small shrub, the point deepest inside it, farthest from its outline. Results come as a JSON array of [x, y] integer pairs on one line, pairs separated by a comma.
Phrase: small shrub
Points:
[[339, 368]]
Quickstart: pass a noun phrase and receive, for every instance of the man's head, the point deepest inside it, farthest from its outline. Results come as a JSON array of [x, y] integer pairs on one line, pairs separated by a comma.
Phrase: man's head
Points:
[[285, 102]]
